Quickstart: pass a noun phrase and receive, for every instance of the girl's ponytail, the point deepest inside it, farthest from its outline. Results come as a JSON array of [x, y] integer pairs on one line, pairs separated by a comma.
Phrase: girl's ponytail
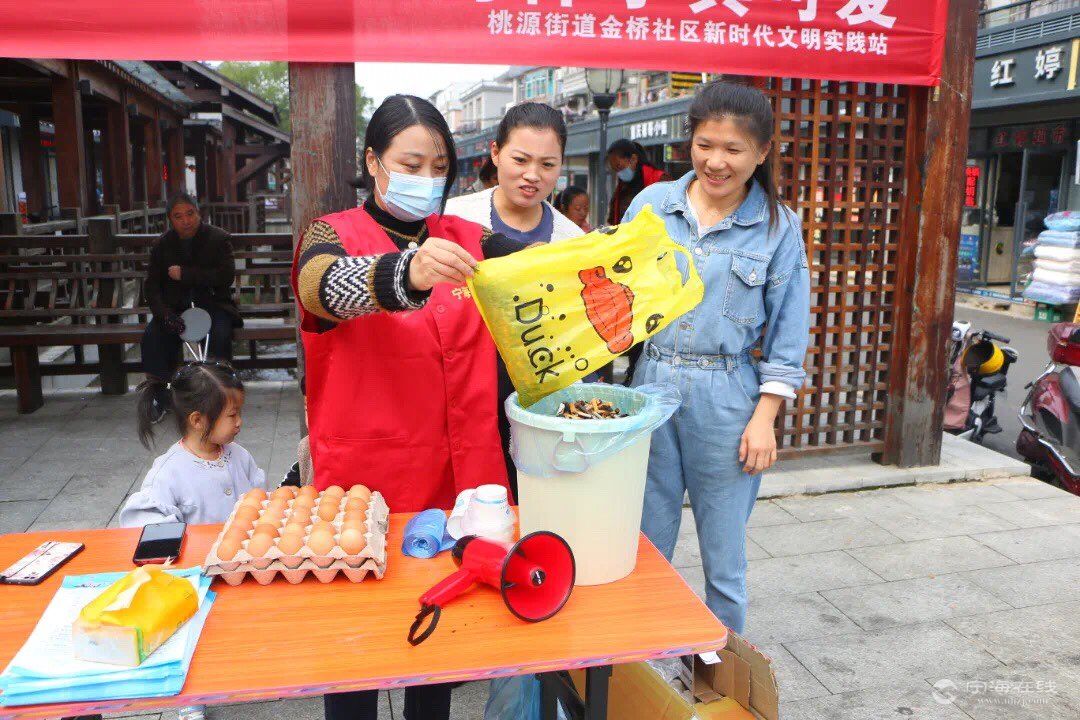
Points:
[[148, 390]]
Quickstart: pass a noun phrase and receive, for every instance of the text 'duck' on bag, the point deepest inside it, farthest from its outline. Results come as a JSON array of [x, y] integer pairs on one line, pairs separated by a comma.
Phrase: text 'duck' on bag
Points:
[[561, 311]]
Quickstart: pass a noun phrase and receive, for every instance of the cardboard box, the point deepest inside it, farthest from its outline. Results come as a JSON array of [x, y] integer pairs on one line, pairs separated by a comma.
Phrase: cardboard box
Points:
[[736, 683]]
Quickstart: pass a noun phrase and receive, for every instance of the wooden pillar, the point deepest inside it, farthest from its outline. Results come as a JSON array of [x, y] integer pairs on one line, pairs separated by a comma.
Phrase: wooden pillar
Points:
[[202, 157], [33, 166], [228, 161], [118, 148], [213, 183], [322, 101], [152, 145], [176, 160], [71, 148], [926, 268], [5, 204]]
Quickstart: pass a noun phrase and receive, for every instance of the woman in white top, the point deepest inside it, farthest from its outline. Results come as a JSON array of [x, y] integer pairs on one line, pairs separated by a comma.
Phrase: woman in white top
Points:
[[528, 155]]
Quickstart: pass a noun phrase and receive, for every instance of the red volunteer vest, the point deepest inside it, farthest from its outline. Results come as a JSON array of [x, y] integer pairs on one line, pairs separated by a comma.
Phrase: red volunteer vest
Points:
[[404, 402]]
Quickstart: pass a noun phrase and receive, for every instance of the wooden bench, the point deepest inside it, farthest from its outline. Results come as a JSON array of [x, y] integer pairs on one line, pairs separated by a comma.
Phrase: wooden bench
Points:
[[56, 294]]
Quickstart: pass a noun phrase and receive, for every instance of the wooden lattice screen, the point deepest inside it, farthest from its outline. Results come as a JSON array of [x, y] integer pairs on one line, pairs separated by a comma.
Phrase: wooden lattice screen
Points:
[[841, 167]]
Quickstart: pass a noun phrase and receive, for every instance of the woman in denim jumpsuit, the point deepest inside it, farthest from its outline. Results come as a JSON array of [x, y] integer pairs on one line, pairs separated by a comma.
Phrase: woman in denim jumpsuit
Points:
[[748, 249]]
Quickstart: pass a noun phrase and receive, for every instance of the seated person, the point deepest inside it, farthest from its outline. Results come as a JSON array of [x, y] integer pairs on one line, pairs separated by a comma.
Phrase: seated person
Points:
[[191, 264]]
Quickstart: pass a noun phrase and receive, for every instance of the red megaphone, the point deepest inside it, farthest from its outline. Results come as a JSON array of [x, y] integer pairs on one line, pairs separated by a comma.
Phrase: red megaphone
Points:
[[534, 575]]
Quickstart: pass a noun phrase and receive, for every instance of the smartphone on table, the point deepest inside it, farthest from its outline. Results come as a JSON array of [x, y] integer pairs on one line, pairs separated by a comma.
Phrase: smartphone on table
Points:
[[160, 543], [40, 563]]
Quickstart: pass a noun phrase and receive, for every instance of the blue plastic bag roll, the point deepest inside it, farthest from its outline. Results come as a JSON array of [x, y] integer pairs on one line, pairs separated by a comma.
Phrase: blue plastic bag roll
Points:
[[425, 535]]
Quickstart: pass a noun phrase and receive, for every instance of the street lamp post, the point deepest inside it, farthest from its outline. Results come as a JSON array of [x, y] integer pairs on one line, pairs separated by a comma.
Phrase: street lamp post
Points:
[[604, 86]]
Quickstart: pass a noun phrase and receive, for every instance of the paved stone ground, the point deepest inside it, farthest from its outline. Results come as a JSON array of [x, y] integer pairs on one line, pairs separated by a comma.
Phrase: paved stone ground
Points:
[[939, 601]]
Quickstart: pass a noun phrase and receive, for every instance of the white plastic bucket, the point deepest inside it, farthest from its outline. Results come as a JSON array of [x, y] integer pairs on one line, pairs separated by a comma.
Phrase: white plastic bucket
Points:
[[585, 479]]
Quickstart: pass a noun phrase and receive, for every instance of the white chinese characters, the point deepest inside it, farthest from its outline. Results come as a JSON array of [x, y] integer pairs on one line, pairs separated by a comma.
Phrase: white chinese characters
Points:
[[728, 26], [1049, 62], [1001, 72]]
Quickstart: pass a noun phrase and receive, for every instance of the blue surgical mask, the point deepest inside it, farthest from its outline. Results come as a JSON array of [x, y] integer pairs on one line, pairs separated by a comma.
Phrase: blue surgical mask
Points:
[[626, 174], [411, 197]]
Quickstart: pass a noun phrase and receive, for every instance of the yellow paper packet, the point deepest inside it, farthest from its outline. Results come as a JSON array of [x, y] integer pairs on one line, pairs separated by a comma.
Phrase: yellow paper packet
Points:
[[133, 617]]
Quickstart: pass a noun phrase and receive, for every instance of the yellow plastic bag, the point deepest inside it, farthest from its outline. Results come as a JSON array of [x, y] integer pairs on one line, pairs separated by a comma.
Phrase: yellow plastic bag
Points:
[[561, 311]]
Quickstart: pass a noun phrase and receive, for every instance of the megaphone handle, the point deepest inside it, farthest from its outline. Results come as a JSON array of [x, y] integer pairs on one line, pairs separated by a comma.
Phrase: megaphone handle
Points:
[[435, 611], [449, 588]]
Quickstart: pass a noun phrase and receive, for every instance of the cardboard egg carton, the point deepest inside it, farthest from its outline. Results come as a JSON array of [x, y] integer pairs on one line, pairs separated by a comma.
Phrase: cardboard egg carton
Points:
[[294, 568]]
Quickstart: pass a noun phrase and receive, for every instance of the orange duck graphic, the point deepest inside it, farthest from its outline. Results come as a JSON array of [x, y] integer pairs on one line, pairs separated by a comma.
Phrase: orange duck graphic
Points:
[[610, 308]]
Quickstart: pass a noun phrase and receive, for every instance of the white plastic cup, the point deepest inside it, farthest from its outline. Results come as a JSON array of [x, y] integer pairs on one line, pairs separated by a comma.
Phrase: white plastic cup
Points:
[[484, 512]]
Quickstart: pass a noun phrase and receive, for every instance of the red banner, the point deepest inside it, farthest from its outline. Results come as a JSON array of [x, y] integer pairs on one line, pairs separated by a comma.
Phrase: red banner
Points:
[[896, 41]]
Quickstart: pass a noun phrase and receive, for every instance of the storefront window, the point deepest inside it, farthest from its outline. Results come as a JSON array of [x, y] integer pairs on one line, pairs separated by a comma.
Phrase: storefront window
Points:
[[1012, 182]]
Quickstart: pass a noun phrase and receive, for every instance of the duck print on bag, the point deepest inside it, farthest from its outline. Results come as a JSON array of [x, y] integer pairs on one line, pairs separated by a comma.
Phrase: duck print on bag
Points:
[[609, 306]]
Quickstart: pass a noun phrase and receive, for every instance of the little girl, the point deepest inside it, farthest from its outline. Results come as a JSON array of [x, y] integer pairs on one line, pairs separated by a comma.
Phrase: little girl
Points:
[[201, 476]]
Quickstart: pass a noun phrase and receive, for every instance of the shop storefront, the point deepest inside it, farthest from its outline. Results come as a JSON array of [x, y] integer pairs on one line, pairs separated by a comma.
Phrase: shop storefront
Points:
[[1022, 157]]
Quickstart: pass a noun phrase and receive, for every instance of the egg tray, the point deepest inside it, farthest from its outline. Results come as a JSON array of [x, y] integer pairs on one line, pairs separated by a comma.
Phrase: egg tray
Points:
[[294, 568]]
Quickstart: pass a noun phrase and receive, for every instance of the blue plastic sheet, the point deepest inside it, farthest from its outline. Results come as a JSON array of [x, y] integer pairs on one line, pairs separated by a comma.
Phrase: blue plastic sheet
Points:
[[158, 676], [425, 535]]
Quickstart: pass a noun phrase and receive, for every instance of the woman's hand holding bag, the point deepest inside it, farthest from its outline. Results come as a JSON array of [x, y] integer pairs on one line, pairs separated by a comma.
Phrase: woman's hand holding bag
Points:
[[440, 261]]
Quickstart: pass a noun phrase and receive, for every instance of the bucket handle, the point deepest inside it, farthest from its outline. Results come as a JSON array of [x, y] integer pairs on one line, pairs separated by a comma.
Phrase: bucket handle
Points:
[[570, 456]]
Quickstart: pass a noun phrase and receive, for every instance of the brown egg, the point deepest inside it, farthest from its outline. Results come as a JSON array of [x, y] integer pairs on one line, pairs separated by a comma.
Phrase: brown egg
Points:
[[302, 520], [285, 492], [361, 492], [228, 548], [334, 491], [270, 518], [328, 511], [352, 541], [252, 503], [235, 532], [354, 522], [321, 524], [294, 531], [266, 529], [356, 504], [321, 542], [290, 544], [244, 525], [258, 545], [278, 505], [246, 512], [258, 494], [302, 506], [308, 491]]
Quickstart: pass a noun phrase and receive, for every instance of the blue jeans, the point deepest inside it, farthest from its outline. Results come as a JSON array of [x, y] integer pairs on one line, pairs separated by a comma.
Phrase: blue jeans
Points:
[[697, 452]]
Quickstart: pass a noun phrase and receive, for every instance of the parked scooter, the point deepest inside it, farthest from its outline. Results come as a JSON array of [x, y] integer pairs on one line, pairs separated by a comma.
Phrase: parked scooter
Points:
[[979, 362], [1050, 415]]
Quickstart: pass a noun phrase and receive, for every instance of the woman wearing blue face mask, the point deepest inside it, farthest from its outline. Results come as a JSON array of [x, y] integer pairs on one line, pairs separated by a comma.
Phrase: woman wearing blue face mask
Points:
[[400, 370], [633, 172]]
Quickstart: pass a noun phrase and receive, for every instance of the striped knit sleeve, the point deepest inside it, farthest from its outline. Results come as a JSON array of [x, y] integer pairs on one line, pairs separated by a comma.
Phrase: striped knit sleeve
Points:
[[335, 286]]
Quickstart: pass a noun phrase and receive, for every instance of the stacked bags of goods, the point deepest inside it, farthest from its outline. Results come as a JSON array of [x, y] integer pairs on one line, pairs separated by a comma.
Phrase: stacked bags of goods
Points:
[[1056, 278]]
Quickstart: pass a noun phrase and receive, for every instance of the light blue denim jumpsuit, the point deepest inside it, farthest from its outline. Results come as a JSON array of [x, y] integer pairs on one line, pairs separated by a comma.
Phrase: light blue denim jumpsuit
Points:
[[757, 293]]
